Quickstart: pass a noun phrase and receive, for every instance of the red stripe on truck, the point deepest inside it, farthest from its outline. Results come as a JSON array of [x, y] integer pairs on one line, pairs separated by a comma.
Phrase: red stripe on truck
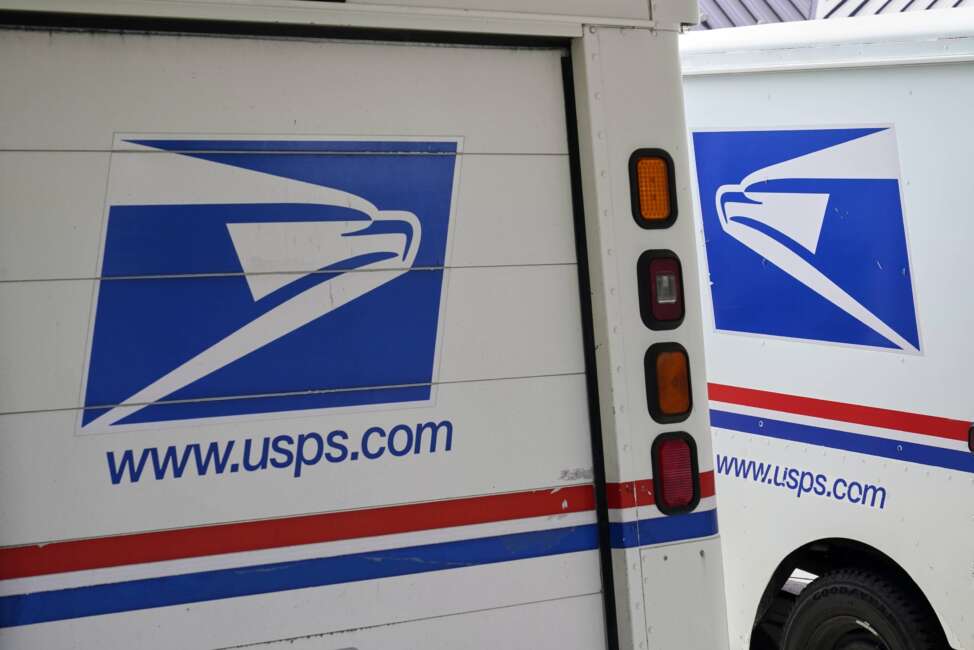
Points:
[[640, 493], [630, 494], [928, 425], [102, 552]]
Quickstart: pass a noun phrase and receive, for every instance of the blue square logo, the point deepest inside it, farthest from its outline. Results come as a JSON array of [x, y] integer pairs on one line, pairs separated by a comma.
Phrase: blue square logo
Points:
[[805, 236], [266, 276]]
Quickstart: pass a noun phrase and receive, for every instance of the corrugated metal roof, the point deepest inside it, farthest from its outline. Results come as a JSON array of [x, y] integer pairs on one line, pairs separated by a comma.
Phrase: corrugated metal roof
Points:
[[845, 8], [715, 14]]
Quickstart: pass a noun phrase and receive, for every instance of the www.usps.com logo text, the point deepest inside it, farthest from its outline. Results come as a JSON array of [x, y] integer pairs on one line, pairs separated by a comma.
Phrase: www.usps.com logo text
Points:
[[266, 276]]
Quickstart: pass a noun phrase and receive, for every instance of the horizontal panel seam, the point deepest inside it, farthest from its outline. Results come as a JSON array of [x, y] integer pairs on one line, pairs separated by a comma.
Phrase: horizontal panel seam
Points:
[[322, 635], [224, 152], [301, 393], [233, 274]]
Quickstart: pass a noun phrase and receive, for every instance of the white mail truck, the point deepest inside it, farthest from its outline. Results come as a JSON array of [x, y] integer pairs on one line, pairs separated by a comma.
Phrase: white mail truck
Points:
[[834, 194], [351, 325]]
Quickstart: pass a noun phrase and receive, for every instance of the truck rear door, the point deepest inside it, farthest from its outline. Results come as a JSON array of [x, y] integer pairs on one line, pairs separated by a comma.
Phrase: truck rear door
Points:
[[291, 346]]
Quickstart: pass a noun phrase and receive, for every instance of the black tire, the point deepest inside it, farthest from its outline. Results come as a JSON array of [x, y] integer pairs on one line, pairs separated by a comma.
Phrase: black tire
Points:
[[853, 609]]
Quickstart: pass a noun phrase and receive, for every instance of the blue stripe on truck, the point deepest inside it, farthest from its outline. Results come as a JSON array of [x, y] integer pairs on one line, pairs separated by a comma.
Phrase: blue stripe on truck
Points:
[[910, 452], [659, 530], [77, 602]]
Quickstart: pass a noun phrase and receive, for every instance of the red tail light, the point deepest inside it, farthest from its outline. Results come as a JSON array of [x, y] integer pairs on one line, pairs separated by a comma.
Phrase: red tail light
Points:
[[676, 479], [660, 289]]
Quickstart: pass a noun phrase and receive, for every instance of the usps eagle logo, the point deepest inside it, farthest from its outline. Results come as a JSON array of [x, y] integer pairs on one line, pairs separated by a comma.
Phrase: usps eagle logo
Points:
[[805, 235], [265, 276]]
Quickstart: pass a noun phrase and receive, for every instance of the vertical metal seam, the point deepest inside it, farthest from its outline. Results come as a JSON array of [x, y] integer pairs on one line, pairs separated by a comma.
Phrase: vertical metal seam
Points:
[[588, 343]]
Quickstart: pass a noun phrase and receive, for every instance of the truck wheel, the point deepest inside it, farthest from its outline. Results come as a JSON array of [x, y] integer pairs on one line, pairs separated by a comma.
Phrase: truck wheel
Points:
[[852, 609]]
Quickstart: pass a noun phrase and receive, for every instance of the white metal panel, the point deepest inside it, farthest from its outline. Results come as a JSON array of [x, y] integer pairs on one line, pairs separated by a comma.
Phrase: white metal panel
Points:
[[538, 625], [633, 9], [319, 613], [42, 348], [509, 322], [904, 530], [671, 570], [481, 20], [507, 364], [675, 13], [52, 203], [501, 195], [626, 104], [497, 322], [633, 131], [925, 105], [265, 86], [56, 202], [915, 104], [507, 435], [887, 39]]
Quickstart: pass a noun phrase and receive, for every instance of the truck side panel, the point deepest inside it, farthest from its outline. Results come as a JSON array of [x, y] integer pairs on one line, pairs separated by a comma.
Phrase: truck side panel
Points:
[[820, 439]]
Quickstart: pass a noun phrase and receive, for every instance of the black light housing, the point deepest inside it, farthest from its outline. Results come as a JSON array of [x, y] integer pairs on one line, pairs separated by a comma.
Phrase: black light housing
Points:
[[660, 281], [676, 476]]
